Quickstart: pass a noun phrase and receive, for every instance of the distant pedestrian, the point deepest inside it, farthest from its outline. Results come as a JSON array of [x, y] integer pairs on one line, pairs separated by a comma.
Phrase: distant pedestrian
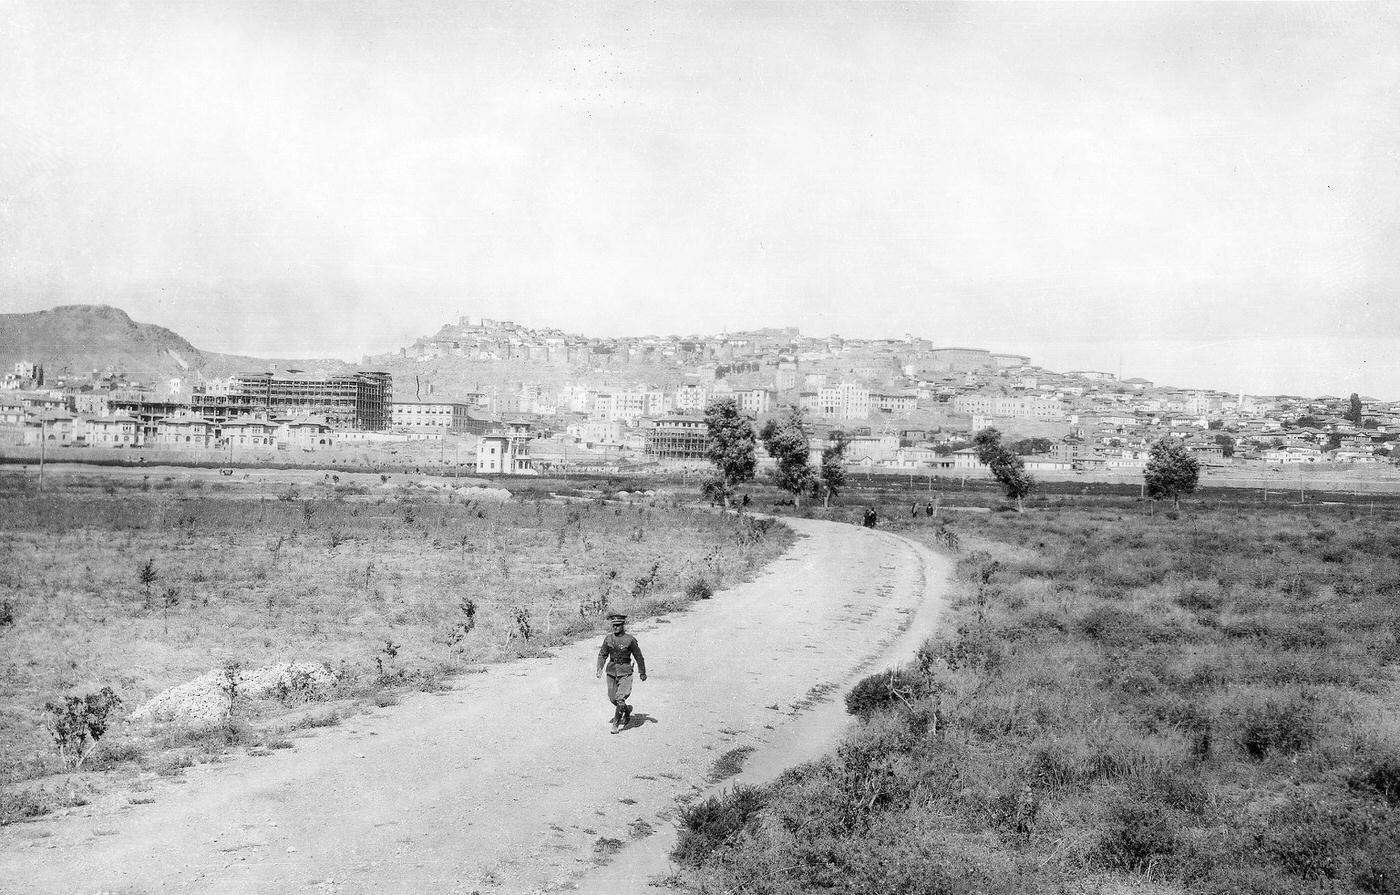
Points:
[[615, 658], [914, 510], [928, 508], [871, 519]]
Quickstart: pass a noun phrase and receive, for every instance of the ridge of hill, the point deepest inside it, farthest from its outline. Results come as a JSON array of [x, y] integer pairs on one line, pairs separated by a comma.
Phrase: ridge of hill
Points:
[[81, 338]]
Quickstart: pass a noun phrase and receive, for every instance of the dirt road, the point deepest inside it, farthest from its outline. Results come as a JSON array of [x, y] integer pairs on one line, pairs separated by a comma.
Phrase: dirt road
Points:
[[512, 782]]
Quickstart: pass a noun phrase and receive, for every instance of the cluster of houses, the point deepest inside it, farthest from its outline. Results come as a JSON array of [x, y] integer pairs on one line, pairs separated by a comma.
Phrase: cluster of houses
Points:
[[33, 419], [906, 404]]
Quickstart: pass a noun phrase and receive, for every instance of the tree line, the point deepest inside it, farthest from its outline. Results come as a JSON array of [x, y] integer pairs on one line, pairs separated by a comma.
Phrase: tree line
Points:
[[1171, 471]]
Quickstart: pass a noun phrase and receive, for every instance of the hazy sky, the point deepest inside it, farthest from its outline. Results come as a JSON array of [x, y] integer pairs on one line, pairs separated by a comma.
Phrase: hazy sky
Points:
[[1205, 194]]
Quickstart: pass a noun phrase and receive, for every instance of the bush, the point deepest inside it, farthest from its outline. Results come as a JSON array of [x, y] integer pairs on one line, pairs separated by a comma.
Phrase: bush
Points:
[[1381, 777], [1136, 836], [699, 589], [1320, 837], [79, 722], [879, 692], [18, 805], [1116, 628], [708, 826], [1277, 727]]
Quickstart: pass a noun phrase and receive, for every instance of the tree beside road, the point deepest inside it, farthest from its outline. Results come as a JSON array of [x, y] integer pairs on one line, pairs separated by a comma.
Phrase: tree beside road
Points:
[[732, 448], [787, 441]]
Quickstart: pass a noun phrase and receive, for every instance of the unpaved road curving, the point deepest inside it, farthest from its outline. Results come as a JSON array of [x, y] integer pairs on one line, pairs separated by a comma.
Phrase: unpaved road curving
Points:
[[511, 782]]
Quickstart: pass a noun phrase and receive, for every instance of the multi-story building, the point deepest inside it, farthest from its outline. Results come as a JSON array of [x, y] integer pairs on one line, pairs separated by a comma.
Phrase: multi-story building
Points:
[[754, 400], [110, 431], [847, 401], [894, 403], [307, 433], [678, 438], [431, 416], [186, 430], [1028, 407], [256, 430], [597, 431], [691, 398], [960, 360], [974, 404], [505, 451], [91, 404], [51, 426], [1014, 406], [12, 413], [147, 411], [358, 400], [627, 406], [785, 379], [575, 397], [1005, 361]]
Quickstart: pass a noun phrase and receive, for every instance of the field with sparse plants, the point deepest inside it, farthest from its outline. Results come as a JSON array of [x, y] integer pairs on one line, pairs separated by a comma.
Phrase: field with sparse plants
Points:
[[139, 584], [1194, 702]]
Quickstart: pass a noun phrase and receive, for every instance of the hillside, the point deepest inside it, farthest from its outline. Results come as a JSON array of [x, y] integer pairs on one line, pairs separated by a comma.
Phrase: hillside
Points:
[[81, 338]]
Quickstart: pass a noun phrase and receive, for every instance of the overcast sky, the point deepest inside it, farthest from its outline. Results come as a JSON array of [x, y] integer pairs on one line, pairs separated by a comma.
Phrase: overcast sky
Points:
[[1207, 195]]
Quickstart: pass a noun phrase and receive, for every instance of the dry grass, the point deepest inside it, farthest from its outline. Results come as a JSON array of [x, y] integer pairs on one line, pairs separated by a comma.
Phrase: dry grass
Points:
[[1121, 702], [392, 590]]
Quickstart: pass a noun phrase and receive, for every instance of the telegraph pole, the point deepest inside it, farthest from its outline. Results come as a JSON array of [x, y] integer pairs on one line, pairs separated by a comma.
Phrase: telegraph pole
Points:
[[41, 450]]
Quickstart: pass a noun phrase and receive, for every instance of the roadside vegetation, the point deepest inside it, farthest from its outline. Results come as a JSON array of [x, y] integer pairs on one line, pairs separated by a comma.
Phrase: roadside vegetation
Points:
[[113, 590], [1202, 701]]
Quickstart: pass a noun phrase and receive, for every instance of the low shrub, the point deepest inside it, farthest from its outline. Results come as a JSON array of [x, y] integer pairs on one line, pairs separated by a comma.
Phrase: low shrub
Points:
[[1380, 776], [1119, 629], [1200, 596], [878, 692], [18, 804], [108, 755], [699, 589], [1320, 837], [1276, 727], [1136, 836], [709, 825]]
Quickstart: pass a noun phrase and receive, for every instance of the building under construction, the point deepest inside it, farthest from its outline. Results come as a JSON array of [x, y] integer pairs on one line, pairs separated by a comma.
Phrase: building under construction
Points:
[[678, 438], [358, 400]]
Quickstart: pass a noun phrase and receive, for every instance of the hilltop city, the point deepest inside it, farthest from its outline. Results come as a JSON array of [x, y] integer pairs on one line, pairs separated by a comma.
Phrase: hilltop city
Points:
[[494, 396]]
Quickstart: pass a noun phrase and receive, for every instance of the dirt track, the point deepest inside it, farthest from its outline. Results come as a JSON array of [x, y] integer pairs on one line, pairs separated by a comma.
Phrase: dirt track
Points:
[[511, 782]]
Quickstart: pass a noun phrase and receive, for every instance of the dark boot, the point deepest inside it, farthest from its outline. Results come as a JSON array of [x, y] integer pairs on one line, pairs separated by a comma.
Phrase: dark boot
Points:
[[626, 715]]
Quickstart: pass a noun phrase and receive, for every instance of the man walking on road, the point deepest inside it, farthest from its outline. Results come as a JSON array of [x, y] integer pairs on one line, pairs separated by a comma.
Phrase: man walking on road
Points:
[[615, 657]]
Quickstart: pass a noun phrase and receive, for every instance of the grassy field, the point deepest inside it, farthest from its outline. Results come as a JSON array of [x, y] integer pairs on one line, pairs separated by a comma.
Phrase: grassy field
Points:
[[390, 589], [1203, 702]]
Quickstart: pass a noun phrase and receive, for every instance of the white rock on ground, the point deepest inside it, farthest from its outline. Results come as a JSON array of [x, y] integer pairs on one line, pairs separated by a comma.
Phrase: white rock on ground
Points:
[[204, 700], [485, 495]]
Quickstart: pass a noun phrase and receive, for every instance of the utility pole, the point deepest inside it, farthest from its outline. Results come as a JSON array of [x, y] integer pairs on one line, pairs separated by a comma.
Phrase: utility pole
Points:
[[41, 450]]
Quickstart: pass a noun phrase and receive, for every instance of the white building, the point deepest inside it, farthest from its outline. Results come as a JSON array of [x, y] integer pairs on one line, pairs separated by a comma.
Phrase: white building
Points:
[[505, 452], [691, 398], [847, 401], [754, 400], [429, 416]]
